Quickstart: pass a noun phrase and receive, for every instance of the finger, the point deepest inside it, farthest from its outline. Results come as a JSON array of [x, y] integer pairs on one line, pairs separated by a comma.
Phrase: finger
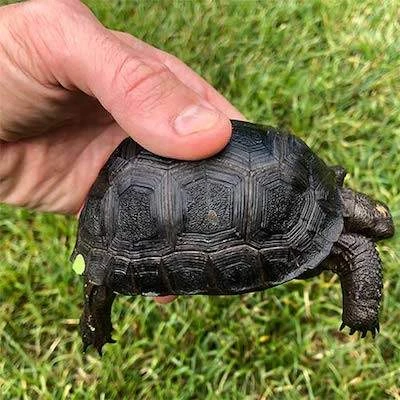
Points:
[[164, 299], [185, 74], [145, 97]]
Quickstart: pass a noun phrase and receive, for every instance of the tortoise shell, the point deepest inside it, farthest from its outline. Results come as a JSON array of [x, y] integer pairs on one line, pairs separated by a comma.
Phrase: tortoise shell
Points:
[[263, 211]]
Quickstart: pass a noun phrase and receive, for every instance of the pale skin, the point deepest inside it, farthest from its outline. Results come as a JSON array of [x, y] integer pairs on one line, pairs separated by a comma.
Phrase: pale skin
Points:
[[71, 90]]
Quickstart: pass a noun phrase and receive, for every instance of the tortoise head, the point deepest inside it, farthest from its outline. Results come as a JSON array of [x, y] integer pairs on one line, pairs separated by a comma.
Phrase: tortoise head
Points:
[[366, 215]]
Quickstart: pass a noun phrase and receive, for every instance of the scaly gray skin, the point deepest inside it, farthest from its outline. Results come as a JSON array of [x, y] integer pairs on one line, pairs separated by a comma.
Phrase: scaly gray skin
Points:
[[353, 257], [95, 322]]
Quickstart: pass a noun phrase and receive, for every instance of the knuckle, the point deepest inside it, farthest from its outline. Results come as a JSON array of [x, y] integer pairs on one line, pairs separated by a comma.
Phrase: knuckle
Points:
[[50, 30], [143, 84], [36, 25]]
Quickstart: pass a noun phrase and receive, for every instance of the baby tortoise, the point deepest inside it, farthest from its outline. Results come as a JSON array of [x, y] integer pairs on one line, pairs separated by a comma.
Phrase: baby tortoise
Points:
[[263, 211]]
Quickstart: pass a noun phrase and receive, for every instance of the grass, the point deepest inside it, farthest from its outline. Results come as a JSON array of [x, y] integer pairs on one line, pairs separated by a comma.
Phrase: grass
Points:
[[328, 70]]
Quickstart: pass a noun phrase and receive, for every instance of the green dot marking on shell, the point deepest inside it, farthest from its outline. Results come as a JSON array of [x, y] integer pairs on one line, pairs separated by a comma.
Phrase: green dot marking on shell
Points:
[[79, 264]]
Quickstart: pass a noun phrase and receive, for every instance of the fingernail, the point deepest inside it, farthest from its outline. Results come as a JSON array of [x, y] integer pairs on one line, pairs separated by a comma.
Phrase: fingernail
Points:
[[164, 299], [195, 118]]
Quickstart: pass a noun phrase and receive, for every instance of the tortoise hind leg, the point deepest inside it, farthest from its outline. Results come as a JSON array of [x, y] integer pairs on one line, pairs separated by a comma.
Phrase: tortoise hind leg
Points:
[[95, 323], [358, 265]]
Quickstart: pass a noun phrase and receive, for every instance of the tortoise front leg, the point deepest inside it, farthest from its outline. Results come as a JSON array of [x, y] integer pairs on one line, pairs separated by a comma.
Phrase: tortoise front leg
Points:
[[366, 216], [95, 323], [358, 265]]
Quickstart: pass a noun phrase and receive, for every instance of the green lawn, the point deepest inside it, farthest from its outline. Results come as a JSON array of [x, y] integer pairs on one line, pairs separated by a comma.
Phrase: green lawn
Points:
[[329, 71]]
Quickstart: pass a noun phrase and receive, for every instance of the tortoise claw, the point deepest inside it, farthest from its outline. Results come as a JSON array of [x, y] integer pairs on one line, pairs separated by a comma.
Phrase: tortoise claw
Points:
[[363, 331], [375, 330]]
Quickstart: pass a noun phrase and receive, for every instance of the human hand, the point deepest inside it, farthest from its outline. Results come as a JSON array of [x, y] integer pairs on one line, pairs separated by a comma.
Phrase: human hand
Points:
[[71, 90]]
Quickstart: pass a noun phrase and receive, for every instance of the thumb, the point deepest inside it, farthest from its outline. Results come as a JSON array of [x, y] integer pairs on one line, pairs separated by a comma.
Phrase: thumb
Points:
[[145, 98]]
